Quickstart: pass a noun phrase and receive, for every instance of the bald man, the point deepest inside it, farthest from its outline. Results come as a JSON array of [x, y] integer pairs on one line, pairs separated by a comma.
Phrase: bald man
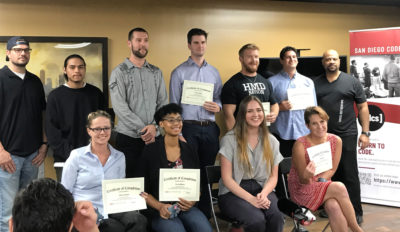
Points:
[[336, 93]]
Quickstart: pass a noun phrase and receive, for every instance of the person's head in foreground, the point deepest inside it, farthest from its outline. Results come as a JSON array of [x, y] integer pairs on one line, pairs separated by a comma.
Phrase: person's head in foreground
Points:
[[44, 206]]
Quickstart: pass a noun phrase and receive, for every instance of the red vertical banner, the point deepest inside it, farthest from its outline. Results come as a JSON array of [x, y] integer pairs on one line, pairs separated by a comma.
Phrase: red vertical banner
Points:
[[375, 61]]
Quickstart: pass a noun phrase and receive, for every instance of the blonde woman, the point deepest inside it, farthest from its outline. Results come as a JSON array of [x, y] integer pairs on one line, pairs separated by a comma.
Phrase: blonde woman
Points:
[[249, 168], [87, 166]]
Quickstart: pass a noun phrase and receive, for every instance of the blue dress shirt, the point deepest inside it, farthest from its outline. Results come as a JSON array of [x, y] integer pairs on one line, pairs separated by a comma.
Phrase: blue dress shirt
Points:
[[289, 125], [83, 173], [189, 70]]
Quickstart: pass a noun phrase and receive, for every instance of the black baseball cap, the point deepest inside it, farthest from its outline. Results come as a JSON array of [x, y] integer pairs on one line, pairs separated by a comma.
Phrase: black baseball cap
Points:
[[14, 41]]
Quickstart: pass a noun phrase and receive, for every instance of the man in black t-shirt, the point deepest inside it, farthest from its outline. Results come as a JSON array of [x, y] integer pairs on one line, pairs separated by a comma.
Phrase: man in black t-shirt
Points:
[[244, 83], [68, 107], [336, 93], [23, 145]]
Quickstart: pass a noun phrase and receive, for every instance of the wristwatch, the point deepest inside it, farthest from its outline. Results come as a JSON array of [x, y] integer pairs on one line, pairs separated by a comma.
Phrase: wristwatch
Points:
[[367, 133]]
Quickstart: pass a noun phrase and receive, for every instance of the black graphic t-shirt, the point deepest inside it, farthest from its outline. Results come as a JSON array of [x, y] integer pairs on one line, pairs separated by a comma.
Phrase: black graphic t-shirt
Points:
[[241, 86]]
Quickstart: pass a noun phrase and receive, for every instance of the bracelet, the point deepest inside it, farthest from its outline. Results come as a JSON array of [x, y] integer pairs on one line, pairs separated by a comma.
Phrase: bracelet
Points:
[[45, 143]]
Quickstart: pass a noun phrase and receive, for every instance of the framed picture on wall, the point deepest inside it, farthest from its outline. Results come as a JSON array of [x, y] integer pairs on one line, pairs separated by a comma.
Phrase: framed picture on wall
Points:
[[48, 55]]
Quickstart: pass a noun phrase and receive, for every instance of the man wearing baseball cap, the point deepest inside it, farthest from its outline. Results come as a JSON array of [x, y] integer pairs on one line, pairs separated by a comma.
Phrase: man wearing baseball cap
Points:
[[23, 144]]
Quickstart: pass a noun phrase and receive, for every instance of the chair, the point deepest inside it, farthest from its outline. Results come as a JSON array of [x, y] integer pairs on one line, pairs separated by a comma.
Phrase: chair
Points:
[[213, 176], [299, 218]]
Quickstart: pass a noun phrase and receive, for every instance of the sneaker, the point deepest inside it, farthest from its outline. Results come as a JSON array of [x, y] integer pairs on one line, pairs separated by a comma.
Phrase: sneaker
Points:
[[359, 219], [302, 229], [323, 213]]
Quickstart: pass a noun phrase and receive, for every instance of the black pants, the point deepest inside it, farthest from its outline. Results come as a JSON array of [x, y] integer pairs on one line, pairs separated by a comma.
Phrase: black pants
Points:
[[204, 140], [347, 171], [252, 218], [132, 149], [121, 222], [285, 146]]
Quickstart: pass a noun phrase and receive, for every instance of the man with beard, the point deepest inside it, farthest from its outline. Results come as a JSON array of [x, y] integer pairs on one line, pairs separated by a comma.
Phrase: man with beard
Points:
[[68, 107], [336, 93], [23, 144], [244, 83], [137, 91]]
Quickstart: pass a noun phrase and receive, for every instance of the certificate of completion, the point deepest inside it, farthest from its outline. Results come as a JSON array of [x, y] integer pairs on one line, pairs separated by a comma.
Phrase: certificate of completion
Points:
[[196, 93], [322, 157], [179, 183], [267, 109], [122, 195], [301, 98]]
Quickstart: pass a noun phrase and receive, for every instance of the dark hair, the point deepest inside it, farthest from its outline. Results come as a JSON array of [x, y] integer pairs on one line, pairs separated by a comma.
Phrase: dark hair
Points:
[[315, 110], [392, 57], [247, 46], [353, 61], [286, 49], [170, 108], [71, 57], [139, 29], [99, 113], [376, 71], [195, 31], [45, 206]]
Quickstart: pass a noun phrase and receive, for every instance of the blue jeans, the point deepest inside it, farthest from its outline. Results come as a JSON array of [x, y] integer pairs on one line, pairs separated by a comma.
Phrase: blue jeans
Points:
[[204, 140], [11, 183], [191, 221]]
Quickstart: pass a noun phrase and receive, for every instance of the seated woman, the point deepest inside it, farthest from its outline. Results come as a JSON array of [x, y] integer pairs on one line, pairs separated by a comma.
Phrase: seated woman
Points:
[[169, 152], [87, 166], [249, 168], [310, 190]]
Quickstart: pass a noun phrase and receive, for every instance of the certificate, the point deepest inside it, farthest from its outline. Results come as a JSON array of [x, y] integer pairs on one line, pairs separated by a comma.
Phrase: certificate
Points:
[[267, 109], [322, 157], [122, 195], [179, 183], [301, 98], [196, 93]]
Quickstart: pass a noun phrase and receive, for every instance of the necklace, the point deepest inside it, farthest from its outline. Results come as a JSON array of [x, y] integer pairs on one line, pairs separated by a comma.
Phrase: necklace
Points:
[[250, 79]]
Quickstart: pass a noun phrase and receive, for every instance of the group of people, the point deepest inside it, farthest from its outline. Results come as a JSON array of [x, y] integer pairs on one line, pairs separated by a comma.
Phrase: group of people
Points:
[[376, 83], [250, 154]]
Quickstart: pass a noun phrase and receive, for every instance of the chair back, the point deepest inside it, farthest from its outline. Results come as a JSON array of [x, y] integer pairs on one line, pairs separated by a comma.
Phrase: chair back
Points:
[[284, 169], [213, 175]]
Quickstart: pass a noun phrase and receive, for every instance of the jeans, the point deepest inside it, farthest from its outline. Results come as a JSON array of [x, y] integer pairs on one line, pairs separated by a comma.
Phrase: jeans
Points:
[[394, 89], [11, 183], [204, 140], [191, 221]]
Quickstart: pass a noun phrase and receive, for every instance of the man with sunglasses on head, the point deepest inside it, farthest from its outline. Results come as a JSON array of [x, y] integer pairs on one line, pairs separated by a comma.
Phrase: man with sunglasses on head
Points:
[[68, 107], [23, 143]]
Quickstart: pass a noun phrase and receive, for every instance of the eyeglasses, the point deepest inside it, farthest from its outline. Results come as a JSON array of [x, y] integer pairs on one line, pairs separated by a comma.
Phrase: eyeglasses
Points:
[[173, 120], [20, 50], [98, 130]]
